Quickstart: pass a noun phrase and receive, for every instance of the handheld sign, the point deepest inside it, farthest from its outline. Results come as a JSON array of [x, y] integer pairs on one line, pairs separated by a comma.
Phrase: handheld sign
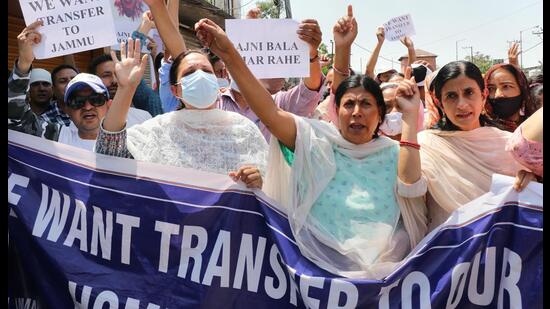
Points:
[[270, 47], [127, 17], [398, 27], [70, 26]]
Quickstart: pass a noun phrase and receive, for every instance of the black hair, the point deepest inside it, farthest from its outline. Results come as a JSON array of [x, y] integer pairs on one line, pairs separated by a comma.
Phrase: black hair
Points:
[[62, 67], [536, 92], [157, 62], [451, 71], [176, 63], [535, 79], [371, 86], [92, 68]]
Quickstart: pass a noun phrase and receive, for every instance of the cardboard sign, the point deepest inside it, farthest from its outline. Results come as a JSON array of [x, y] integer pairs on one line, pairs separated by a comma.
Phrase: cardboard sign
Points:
[[127, 16], [270, 47], [70, 26], [398, 27]]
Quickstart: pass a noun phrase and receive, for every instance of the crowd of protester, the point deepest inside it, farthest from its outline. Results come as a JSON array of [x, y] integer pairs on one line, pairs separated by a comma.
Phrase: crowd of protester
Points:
[[365, 165]]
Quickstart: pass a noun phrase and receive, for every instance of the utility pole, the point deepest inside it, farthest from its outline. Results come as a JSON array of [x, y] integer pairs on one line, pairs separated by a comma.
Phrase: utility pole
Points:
[[521, 45], [471, 53], [332, 48], [456, 47]]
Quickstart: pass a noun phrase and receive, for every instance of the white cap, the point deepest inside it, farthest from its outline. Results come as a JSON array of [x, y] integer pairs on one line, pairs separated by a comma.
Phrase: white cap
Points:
[[40, 75], [85, 79], [385, 70]]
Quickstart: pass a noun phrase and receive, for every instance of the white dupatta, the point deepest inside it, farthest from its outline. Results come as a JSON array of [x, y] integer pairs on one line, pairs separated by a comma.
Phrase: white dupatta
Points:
[[297, 188], [209, 140]]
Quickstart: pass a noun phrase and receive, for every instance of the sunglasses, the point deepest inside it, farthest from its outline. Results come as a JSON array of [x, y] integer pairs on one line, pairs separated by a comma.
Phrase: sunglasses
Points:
[[95, 99]]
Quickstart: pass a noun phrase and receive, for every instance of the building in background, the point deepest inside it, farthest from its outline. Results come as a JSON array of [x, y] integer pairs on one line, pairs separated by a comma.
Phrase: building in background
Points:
[[420, 55]]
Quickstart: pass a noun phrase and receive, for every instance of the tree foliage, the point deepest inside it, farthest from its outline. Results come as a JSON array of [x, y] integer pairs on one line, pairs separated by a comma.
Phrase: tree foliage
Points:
[[270, 8], [483, 62]]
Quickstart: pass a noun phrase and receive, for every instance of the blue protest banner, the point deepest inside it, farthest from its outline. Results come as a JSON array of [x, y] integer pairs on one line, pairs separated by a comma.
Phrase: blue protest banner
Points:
[[93, 231]]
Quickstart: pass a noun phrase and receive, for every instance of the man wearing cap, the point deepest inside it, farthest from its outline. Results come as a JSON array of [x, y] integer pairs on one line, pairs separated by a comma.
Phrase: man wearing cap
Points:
[[40, 91], [86, 100]]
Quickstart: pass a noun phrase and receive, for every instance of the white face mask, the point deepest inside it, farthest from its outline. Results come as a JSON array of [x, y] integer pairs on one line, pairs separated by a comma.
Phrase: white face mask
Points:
[[199, 89], [223, 83], [392, 124]]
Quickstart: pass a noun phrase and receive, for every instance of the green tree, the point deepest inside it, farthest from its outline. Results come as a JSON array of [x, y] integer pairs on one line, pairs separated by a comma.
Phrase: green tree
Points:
[[270, 8], [483, 62]]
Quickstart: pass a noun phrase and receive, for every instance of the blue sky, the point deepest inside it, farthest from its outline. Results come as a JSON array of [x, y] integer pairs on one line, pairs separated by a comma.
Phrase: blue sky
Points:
[[486, 25]]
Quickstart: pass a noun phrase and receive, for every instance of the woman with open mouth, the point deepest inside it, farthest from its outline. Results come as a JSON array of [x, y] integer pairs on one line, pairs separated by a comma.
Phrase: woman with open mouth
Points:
[[353, 206]]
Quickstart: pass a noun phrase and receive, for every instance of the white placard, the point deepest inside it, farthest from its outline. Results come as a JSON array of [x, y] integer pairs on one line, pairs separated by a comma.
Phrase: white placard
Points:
[[70, 26], [270, 47], [127, 15], [399, 27]]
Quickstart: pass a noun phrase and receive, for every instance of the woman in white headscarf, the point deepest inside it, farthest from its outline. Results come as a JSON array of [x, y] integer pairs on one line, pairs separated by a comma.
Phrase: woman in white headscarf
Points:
[[349, 211]]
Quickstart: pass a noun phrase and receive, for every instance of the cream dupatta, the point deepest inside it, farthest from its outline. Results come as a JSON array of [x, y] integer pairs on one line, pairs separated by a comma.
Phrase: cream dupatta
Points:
[[458, 166]]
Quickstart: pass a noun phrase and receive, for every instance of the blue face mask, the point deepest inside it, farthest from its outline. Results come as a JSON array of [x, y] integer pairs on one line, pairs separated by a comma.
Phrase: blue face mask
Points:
[[199, 89]]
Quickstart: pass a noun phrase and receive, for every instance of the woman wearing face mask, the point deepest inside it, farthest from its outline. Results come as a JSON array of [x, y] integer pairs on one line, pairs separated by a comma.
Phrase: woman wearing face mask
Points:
[[392, 125], [199, 136], [462, 151], [351, 203], [510, 101]]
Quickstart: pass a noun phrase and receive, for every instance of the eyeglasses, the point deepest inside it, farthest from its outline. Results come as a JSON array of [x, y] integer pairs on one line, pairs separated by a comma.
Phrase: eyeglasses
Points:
[[94, 99]]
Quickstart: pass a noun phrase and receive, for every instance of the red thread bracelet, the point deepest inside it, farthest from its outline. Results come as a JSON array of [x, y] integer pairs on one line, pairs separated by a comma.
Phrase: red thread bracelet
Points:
[[410, 144]]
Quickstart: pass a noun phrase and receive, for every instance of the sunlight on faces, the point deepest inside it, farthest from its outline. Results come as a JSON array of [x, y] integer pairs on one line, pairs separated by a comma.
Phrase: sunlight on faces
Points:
[[61, 79], [358, 115], [462, 102], [390, 100], [188, 66], [106, 71], [40, 93], [503, 84], [87, 118], [219, 69]]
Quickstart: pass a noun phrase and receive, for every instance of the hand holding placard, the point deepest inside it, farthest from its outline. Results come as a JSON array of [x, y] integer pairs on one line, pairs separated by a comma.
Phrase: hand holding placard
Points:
[[399, 27], [26, 40]]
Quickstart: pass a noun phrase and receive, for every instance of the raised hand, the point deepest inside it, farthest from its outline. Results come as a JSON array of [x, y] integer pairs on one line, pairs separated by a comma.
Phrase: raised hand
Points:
[[513, 54], [248, 174], [25, 42], [130, 68], [325, 61], [407, 42], [380, 35], [310, 32], [213, 37], [408, 95], [345, 30], [254, 13], [148, 19]]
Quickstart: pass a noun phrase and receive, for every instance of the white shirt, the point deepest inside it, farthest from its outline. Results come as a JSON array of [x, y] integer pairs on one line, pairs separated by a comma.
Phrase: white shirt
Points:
[[69, 135], [137, 116]]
